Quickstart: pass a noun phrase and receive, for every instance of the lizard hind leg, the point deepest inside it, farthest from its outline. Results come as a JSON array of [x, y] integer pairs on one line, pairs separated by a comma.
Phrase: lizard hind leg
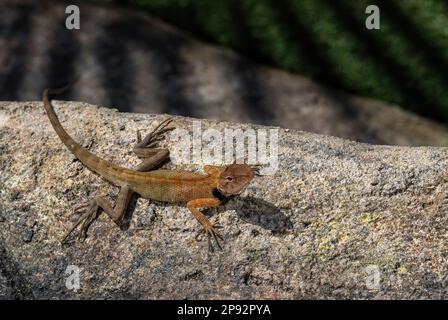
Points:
[[101, 203], [153, 158], [146, 148], [150, 141]]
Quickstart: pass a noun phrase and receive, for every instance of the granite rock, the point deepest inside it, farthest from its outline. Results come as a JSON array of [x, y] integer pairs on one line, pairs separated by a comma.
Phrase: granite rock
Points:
[[338, 219]]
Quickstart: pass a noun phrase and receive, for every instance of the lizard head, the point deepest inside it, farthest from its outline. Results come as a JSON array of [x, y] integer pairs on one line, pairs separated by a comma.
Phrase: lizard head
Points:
[[234, 178]]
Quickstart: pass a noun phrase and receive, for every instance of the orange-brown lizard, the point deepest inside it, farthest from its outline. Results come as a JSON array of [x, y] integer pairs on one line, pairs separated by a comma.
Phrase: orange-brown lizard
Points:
[[196, 189]]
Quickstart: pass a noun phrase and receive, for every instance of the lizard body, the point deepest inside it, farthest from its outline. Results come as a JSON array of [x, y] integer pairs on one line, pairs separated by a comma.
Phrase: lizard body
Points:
[[196, 189]]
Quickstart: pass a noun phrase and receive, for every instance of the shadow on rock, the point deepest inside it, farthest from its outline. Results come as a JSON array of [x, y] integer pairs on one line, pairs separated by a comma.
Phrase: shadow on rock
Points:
[[260, 212]]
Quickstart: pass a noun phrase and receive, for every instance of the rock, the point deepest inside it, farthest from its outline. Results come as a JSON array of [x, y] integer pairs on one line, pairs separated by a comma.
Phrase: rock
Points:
[[338, 219], [131, 61]]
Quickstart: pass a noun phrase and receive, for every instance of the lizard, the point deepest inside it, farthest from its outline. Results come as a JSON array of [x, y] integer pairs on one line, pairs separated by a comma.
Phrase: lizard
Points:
[[148, 180]]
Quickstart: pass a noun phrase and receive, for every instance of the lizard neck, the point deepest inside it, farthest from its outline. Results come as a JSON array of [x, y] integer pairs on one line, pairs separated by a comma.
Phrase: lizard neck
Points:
[[219, 195]]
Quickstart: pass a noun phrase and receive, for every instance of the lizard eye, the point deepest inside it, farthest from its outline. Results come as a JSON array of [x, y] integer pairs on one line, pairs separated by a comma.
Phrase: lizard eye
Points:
[[229, 178]]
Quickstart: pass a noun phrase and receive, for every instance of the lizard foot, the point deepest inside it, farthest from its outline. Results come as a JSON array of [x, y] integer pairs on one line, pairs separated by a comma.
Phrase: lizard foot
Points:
[[87, 219], [156, 135], [211, 232]]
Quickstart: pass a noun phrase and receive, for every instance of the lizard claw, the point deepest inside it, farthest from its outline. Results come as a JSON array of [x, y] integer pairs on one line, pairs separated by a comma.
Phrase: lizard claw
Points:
[[87, 220], [81, 206], [211, 232], [156, 134]]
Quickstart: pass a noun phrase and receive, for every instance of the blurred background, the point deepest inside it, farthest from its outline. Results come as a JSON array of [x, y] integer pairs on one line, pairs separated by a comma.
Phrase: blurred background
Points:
[[301, 64]]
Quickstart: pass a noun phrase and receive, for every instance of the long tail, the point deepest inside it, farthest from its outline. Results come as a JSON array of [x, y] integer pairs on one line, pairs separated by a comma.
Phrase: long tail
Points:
[[104, 168], [71, 144]]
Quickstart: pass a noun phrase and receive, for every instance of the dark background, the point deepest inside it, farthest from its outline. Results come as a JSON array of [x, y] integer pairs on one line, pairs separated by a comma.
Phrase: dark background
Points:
[[124, 58], [405, 62]]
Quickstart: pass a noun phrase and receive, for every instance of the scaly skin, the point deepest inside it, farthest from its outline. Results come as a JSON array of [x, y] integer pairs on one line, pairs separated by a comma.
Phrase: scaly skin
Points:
[[196, 189]]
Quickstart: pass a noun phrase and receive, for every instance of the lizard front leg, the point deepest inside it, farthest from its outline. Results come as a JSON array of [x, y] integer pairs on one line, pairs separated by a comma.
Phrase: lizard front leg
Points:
[[153, 158], [194, 206]]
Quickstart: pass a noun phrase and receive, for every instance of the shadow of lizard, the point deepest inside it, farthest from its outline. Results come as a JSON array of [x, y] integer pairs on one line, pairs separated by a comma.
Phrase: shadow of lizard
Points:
[[248, 209]]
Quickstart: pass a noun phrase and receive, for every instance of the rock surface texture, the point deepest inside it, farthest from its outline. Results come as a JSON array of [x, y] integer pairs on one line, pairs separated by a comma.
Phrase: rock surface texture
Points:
[[338, 219]]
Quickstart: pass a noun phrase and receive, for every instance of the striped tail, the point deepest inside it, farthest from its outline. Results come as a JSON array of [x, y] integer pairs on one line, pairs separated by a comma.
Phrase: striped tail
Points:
[[102, 167]]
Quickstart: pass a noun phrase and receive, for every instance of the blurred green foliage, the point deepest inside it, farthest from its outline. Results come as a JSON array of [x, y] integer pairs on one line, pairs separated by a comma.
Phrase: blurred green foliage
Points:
[[405, 62]]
